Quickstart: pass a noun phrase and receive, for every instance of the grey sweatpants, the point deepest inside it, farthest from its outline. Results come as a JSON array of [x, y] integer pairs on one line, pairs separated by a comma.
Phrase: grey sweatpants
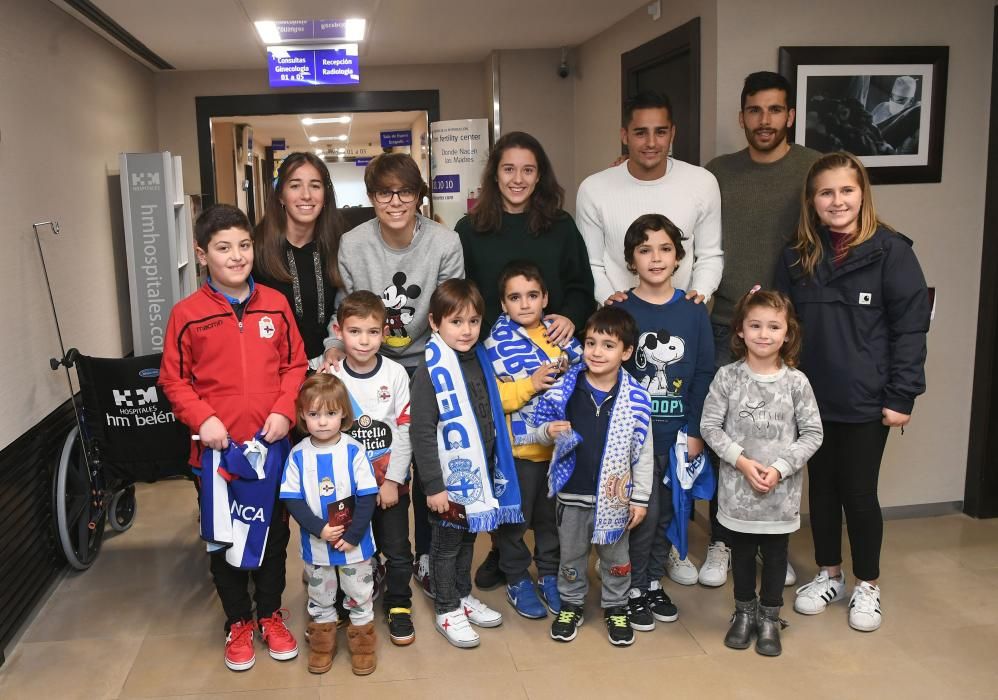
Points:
[[575, 534]]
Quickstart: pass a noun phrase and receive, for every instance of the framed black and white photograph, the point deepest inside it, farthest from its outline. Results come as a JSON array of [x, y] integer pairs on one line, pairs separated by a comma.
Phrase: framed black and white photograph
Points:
[[885, 104]]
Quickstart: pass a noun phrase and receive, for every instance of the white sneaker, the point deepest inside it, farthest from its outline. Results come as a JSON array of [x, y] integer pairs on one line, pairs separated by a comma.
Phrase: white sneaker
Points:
[[682, 571], [864, 607], [478, 613], [455, 628], [714, 571], [815, 596], [791, 577]]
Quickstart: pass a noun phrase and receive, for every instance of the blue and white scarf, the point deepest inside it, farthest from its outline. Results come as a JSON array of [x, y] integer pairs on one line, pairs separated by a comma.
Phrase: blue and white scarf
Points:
[[630, 423], [238, 491], [514, 355], [488, 500], [688, 479]]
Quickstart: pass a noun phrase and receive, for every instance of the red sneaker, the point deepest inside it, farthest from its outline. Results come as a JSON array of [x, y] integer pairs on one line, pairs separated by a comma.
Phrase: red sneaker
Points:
[[239, 654], [280, 642]]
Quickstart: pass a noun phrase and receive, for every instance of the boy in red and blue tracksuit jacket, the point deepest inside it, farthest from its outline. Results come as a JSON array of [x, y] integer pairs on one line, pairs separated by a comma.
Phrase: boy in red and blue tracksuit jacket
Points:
[[240, 361]]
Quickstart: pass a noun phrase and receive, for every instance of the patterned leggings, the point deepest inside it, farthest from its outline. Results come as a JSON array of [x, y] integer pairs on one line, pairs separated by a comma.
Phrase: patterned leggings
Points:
[[358, 589]]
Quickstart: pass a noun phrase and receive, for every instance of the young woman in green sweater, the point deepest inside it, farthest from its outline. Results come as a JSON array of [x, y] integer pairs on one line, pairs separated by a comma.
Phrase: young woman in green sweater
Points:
[[519, 217]]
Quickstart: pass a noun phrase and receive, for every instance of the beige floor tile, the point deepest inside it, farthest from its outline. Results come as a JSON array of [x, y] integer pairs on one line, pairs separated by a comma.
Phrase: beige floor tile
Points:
[[963, 659], [193, 663], [269, 694], [88, 669], [479, 687]]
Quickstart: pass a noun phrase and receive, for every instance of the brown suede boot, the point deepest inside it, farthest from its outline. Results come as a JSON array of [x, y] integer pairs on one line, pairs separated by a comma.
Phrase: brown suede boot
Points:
[[362, 640], [321, 638]]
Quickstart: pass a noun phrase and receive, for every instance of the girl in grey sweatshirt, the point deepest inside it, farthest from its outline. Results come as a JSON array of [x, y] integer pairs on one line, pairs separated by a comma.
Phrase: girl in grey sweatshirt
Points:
[[762, 420]]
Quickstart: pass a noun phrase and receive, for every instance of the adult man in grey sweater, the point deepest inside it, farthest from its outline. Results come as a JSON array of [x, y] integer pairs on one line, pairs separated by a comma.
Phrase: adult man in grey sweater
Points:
[[760, 207]]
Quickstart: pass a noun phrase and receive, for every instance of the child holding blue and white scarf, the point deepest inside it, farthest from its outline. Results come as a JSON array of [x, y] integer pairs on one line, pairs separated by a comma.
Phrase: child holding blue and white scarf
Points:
[[521, 352], [465, 463], [601, 471]]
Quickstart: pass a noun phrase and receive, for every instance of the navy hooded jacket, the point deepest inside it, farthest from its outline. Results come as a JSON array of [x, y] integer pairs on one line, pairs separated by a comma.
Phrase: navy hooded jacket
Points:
[[864, 324]]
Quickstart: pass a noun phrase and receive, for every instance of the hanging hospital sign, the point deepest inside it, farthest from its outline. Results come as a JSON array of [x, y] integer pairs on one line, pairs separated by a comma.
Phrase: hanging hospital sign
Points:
[[325, 65], [311, 29]]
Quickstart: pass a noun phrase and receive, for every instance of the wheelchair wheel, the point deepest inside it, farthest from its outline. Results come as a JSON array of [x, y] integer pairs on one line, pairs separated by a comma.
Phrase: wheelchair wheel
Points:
[[74, 506], [121, 514]]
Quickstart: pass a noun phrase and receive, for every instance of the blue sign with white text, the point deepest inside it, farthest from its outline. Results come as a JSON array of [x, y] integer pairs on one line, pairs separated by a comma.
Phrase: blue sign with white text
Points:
[[289, 67], [446, 183], [362, 162], [396, 138]]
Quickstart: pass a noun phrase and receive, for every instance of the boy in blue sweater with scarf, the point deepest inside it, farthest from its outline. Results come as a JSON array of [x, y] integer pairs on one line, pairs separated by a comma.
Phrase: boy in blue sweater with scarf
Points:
[[674, 361], [601, 471]]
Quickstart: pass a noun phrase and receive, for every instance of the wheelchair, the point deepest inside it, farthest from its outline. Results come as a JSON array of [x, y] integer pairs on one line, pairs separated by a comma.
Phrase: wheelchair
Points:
[[125, 432]]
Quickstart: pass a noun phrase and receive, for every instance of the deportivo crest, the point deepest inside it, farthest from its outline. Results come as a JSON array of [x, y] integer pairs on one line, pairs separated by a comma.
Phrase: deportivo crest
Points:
[[326, 487], [266, 327], [383, 393], [464, 484], [499, 484]]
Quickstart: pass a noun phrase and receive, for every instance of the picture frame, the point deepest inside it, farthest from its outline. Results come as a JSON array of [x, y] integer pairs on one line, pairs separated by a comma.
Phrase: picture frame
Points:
[[884, 104]]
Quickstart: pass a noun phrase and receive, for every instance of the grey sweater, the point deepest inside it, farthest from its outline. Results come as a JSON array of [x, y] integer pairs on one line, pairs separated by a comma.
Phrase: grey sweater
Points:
[[403, 278], [772, 419], [760, 207]]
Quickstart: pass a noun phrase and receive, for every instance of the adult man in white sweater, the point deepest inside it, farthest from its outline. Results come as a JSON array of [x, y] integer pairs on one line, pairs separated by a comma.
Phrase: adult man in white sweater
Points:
[[651, 182]]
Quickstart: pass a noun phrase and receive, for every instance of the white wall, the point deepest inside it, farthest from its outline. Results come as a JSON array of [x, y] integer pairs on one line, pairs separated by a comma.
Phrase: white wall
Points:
[[71, 102], [534, 99], [460, 87]]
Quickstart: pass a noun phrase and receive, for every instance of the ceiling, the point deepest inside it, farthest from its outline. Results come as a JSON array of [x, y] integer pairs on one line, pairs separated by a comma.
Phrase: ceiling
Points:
[[363, 131], [219, 34]]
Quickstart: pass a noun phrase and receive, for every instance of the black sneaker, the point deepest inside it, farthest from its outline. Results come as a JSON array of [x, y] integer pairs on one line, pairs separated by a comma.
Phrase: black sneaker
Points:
[[617, 627], [567, 622], [489, 575], [661, 606], [638, 613], [400, 627]]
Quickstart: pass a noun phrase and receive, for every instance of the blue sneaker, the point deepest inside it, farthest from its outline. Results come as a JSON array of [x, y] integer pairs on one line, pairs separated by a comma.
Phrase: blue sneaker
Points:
[[549, 593], [524, 600]]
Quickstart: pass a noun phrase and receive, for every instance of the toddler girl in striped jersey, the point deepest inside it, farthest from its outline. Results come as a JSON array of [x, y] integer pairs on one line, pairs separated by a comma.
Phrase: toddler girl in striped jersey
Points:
[[329, 487]]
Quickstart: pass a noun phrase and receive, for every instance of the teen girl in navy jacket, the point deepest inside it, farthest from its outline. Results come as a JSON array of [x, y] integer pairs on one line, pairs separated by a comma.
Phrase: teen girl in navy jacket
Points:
[[863, 305]]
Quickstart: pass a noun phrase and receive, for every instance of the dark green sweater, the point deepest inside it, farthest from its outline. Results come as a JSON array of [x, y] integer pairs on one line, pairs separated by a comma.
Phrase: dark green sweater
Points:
[[760, 207], [559, 252]]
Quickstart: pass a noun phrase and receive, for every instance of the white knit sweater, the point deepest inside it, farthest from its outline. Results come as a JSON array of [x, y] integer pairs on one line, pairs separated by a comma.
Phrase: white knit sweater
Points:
[[610, 200]]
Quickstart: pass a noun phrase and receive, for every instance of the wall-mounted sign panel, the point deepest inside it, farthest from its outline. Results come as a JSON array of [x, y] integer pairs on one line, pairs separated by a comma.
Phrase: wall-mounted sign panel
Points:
[[326, 65], [311, 29], [459, 151], [390, 139]]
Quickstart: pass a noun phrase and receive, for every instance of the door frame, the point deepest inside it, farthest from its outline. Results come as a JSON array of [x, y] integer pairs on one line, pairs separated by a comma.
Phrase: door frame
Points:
[[207, 108], [980, 498], [683, 39]]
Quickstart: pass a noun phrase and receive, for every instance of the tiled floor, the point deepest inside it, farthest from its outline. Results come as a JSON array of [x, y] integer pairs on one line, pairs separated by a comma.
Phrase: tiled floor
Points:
[[144, 622]]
